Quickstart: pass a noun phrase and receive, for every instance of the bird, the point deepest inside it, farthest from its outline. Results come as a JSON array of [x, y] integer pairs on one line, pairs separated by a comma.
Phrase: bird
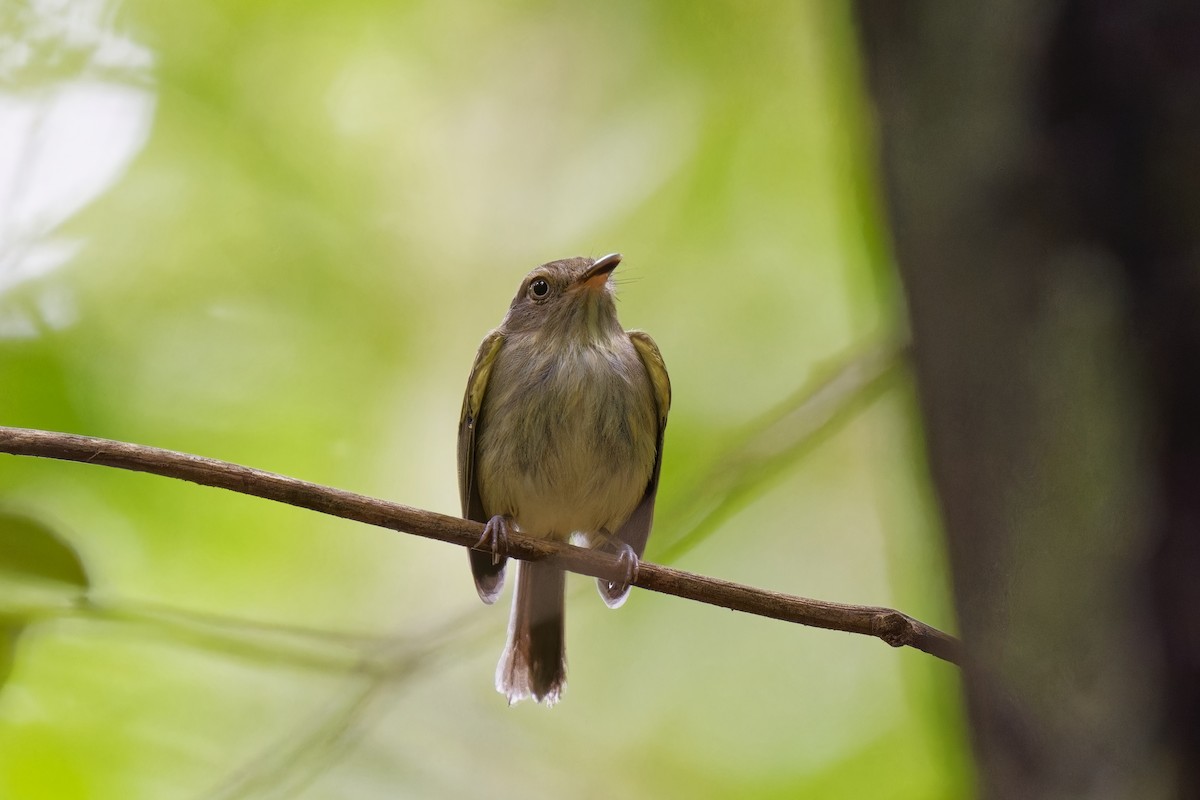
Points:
[[560, 437]]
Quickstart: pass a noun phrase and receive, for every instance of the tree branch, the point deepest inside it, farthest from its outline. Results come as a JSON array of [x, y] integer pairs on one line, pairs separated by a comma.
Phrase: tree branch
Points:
[[891, 626]]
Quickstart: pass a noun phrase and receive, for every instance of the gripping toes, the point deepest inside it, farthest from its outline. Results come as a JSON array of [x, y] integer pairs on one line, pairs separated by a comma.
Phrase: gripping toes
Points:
[[614, 594], [488, 566], [495, 538]]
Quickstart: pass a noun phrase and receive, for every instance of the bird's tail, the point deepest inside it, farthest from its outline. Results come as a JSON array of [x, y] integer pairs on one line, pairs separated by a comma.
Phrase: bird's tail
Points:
[[534, 662]]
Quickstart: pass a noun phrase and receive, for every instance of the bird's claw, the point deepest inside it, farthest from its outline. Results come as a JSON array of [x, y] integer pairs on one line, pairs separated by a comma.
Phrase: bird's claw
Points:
[[615, 593], [495, 538]]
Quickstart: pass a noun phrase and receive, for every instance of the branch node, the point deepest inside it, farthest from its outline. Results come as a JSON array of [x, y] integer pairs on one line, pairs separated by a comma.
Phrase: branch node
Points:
[[894, 628]]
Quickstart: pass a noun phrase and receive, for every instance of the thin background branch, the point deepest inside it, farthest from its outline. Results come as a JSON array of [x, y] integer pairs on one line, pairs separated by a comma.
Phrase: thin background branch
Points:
[[893, 627], [778, 439]]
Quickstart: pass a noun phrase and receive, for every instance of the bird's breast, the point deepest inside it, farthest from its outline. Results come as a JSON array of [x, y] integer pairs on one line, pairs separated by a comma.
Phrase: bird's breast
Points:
[[567, 436]]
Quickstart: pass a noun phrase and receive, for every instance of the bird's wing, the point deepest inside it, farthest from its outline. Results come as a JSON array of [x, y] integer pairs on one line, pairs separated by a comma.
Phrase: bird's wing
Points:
[[636, 529], [489, 575]]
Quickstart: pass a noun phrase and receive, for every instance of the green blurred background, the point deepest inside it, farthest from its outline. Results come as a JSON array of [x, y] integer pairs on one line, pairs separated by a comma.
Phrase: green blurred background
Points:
[[274, 233]]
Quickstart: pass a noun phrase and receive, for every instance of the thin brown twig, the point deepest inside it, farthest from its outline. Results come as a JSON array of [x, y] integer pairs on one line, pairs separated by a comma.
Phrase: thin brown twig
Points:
[[891, 626]]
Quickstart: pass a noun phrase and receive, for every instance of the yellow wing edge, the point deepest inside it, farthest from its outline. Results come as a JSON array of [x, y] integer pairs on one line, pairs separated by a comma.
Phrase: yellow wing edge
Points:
[[657, 369], [468, 420]]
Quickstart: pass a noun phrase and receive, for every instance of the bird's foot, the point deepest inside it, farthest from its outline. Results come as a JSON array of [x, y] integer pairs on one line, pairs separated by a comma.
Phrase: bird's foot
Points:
[[495, 538], [489, 557], [615, 593]]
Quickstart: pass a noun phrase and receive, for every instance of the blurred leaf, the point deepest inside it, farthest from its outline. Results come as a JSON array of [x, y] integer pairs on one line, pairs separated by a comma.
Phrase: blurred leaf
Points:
[[9, 634], [36, 566], [32, 552]]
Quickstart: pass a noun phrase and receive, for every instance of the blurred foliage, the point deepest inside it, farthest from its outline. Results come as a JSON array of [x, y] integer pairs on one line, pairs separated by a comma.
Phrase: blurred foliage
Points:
[[37, 569], [274, 233]]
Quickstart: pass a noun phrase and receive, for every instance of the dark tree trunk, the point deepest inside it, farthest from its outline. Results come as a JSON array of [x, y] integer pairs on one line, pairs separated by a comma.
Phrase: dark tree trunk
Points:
[[1042, 167]]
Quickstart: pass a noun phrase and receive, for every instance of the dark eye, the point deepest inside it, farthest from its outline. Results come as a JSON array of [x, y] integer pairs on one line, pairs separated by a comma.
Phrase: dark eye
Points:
[[539, 288]]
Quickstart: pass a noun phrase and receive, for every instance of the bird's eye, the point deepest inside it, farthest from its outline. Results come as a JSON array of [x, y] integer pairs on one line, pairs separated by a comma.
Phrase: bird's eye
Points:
[[539, 288]]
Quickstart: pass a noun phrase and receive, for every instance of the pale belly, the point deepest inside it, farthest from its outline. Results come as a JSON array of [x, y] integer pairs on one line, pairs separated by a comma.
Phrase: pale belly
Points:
[[566, 445]]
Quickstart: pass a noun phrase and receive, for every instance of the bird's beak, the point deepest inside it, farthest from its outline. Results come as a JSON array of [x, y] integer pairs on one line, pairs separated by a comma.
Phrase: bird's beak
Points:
[[597, 274]]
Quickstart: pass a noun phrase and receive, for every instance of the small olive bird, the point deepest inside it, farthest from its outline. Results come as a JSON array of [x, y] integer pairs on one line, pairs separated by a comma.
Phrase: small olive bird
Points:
[[561, 435]]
